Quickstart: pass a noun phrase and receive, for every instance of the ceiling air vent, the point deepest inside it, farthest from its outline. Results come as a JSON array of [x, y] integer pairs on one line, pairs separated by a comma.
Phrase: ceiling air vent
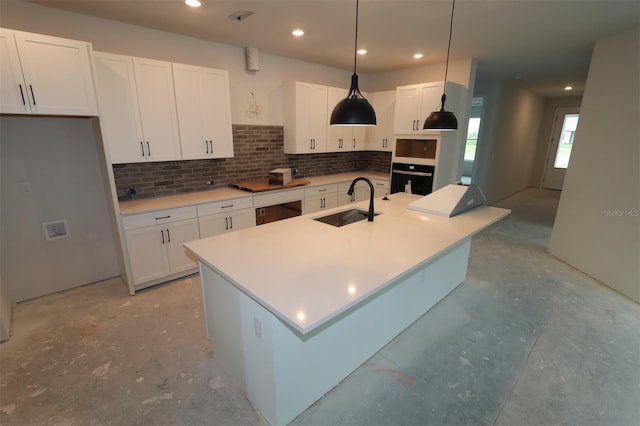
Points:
[[239, 15]]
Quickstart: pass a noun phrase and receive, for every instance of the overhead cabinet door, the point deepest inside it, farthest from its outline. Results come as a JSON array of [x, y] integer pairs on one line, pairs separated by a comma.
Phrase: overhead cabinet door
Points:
[[156, 98], [45, 75], [119, 112], [12, 88], [204, 112]]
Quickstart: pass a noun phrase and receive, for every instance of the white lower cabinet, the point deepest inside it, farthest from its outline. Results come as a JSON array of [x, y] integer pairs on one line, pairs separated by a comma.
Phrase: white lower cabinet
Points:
[[360, 193], [320, 197], [381, 187], [225, 216], [155, 243]]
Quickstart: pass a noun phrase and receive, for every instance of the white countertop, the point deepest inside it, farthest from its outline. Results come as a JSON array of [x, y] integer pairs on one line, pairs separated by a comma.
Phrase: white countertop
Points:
[[307, 272], [143, 205]]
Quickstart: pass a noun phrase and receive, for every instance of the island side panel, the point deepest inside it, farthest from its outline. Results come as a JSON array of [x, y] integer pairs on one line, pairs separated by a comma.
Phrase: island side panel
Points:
[[304, 368], [221, 302]]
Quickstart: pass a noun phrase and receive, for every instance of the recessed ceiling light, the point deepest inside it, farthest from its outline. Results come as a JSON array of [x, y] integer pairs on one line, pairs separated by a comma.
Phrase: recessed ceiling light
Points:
[[297, 33], [193, 3], [418, 56], [568, 87], [362, 51]]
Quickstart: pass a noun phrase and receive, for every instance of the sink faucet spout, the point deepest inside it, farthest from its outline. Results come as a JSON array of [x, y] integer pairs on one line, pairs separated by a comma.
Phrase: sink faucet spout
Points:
[[350, 192]]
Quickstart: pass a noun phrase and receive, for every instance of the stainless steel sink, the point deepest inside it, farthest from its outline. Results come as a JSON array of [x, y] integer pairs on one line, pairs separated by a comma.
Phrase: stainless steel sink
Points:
[[344, 217]]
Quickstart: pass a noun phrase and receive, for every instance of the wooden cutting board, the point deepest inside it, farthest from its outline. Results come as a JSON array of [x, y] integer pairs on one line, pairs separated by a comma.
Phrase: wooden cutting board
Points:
[[263, 185]]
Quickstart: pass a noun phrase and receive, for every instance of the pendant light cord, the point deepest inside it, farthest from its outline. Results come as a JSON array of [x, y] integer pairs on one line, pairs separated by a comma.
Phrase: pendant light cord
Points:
[[355, 48], [446, 70]]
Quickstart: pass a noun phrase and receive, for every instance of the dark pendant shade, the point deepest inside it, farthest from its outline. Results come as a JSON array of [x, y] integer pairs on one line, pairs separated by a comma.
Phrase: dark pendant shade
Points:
[[354, 110], [441, 120]]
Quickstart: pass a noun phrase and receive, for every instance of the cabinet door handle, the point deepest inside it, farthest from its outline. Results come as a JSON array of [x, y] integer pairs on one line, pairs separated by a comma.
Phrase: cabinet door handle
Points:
[[211, 146], [168, 236], [314, 143], [148, 149], [230, 222], [163, 217], [310, 143], [162, 233], [142, 147], [32, 96], [206, 144], [354, 143], [226, 223], [22, 95]]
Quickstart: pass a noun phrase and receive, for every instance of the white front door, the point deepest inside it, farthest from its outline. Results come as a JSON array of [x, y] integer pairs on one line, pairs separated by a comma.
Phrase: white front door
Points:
[[564, 129]]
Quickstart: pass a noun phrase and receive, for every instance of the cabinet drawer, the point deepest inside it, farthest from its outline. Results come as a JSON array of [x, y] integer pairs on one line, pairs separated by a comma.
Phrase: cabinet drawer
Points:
[[277, 197], [321, 189], [158, 217], [225, 206], [380, 183]]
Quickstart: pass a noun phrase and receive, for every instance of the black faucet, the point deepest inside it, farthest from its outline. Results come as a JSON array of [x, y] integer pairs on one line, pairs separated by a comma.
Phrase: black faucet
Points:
[[350, 192]]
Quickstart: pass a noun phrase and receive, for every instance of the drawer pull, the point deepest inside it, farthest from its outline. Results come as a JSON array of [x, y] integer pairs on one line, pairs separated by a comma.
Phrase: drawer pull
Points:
[[226, 207], [322, 190], [163, 217], [22, 94], [32, 97]]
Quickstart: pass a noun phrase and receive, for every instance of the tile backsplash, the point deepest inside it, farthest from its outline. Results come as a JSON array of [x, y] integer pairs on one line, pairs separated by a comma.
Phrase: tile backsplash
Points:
[[257, 149]]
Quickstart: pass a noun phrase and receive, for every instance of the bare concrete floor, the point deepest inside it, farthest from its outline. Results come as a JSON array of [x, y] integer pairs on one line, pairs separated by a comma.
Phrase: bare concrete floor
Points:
[[525, 340]]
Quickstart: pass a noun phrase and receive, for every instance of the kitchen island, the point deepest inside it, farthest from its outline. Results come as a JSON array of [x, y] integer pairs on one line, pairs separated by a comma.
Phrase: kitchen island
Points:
[[294, 306]]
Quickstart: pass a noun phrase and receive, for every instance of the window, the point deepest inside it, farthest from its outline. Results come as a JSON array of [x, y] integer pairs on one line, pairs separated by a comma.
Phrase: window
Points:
[[565, 142], [472, 139]]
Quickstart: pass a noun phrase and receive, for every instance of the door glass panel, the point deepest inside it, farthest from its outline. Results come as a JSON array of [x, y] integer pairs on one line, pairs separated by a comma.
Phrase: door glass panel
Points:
[[472, 139], [565, 143]]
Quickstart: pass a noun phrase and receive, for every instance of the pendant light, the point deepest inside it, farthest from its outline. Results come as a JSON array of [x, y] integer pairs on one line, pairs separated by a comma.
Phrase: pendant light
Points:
[[443, 120], [354, 110]]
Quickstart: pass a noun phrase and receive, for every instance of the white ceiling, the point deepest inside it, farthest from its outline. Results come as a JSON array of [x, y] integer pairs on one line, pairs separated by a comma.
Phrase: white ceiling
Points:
[[544, 44]]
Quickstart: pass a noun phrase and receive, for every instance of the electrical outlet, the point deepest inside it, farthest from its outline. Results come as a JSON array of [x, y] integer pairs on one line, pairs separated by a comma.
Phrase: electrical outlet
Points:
[[257, 326], [211, 182]]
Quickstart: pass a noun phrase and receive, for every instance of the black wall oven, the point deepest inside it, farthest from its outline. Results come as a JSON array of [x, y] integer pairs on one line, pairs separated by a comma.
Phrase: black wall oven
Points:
[[417, 177]]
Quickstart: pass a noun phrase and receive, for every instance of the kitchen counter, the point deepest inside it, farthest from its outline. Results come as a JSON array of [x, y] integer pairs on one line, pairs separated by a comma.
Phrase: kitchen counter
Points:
[[294, 306], [143, 205], [324, 270]]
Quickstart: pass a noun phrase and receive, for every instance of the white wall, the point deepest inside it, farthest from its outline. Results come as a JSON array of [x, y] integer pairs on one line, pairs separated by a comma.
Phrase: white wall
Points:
[[508, 138], [5, 312], [597, 226], [5, 301], [544, 135], [59, 159]]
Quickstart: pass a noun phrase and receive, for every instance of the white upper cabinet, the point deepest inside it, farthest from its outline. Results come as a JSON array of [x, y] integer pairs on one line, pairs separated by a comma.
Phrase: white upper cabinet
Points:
[[137, 109], [414, 103], [204, 112], [156, 98], [45, 75], [381, 136], [305, 118]]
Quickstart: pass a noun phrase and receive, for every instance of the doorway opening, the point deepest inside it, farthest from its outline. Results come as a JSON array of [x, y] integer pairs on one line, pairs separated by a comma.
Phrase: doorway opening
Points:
[[560, 146], [471, 145]]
